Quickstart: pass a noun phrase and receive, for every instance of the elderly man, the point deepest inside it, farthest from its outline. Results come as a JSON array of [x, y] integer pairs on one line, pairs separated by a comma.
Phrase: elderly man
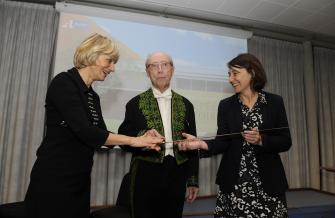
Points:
[[160, 179]]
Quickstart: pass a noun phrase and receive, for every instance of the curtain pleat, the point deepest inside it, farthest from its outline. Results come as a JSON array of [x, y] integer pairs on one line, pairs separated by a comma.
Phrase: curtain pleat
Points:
[[284, 64], [27, 37], [324, 64]]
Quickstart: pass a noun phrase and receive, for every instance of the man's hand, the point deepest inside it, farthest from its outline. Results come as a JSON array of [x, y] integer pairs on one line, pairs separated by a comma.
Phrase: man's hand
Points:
[[150, 140], [191, 193]]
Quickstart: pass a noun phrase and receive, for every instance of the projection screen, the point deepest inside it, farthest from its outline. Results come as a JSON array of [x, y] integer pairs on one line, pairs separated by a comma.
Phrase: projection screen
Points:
[[200, 53]]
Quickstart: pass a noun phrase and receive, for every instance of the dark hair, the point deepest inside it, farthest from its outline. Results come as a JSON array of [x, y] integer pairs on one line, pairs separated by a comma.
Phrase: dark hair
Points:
[[253, 66]]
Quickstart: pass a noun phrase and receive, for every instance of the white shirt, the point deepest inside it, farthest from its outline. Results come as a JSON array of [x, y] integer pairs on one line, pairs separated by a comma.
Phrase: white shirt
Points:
[[164, 104]]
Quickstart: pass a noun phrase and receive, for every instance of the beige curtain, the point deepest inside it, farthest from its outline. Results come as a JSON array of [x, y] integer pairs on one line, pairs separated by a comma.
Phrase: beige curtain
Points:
[[324, 64], [108, 170], [284, 65], [27, 36]]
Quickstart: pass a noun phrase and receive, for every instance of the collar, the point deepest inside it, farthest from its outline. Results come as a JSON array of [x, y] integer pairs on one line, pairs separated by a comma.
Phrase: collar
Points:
[[261, 99], [74, 74], [167, 94]]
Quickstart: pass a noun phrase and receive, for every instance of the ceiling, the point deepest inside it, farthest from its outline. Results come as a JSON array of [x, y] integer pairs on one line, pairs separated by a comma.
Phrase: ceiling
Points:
[[313, 19]]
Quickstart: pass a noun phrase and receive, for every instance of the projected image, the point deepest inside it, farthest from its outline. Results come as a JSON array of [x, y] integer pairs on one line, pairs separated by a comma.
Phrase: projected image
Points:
[[200, 63]]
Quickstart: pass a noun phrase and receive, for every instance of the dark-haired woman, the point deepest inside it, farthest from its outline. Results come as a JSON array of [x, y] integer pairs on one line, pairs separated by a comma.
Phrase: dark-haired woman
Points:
[[251, 176]]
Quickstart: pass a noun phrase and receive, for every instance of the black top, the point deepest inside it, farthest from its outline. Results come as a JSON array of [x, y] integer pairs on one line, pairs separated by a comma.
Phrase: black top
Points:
[[271, 170], [75, 127]]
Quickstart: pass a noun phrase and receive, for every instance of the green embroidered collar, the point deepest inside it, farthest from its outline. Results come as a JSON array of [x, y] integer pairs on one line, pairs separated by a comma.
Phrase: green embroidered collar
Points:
[[149, 107]]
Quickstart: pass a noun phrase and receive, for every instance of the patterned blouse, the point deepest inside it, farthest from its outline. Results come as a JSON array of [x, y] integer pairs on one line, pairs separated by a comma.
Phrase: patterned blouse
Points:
[[248, 200]]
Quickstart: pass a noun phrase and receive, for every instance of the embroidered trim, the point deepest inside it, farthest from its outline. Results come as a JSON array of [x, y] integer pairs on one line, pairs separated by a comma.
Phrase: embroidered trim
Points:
[[149, 107], [142, 132], [192, 181], [133, 171], [178, 116]]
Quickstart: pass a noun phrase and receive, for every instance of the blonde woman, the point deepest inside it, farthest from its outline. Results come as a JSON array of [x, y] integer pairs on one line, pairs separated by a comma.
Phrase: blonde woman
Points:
[[60, 178]]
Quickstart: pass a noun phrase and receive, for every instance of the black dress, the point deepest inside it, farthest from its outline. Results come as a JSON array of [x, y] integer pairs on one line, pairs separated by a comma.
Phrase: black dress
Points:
[[248, 198], [60, 178]]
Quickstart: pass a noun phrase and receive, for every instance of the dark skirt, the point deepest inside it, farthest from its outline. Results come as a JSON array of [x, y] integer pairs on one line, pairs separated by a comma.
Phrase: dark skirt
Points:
[[55, 196]]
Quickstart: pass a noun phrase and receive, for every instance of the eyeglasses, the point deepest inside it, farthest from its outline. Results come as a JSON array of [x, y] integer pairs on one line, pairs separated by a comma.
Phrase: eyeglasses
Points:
[[159, 65]]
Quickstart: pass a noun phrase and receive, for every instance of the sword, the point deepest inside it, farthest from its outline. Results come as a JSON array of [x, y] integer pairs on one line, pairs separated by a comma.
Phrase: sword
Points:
[[232, 134]]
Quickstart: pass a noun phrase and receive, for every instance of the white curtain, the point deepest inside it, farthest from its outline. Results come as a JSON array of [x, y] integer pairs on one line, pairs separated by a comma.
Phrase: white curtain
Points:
[[324, 64], [108, 170], [284, 64], [27, 36]]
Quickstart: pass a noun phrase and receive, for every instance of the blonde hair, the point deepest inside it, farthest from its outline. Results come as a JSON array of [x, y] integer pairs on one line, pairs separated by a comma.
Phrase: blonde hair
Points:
[[89, 50]]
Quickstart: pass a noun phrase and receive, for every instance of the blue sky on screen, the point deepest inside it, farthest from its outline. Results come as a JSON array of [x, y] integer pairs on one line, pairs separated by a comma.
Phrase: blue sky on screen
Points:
[[188, 48]]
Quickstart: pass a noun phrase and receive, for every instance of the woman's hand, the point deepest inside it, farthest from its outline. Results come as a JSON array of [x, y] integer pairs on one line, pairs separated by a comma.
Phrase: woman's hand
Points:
[[150, 140], [252, 136], [190, 143], [153, 133]]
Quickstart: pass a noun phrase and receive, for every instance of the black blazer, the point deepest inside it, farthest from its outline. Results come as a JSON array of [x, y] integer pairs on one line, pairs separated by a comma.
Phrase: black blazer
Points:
[[269, 163], [70, 139]]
